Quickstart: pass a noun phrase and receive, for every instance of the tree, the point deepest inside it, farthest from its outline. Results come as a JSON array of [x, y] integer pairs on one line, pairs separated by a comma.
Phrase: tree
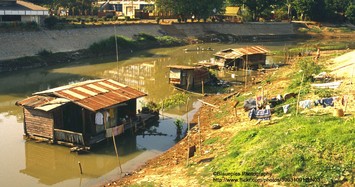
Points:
[[257, 7], [303, 8], [350, 13], [186, 8]]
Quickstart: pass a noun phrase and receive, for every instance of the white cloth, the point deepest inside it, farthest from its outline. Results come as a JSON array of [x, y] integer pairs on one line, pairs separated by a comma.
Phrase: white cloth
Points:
[[99, 118]]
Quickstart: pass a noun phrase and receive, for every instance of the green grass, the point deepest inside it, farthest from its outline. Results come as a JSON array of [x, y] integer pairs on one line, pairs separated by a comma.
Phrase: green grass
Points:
[[317, 147], [211, 141]]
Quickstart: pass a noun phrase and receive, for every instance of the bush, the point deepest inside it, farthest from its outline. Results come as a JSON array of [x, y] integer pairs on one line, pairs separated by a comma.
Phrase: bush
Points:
[[157, 19], [51, 22], [44, 53], [324, 92], [169, 41]]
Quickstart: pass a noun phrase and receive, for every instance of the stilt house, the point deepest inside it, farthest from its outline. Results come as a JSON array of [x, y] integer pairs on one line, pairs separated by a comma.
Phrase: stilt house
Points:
[[81, 114], [187, 77], [242, 57]]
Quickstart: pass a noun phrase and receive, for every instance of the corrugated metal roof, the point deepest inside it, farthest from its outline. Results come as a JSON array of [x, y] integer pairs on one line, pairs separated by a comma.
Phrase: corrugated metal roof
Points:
[[44, 103], [239, 52], [92, 95]]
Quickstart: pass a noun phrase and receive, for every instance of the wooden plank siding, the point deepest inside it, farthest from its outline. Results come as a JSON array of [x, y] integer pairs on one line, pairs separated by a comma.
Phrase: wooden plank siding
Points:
[[39, 123], [69, 137]]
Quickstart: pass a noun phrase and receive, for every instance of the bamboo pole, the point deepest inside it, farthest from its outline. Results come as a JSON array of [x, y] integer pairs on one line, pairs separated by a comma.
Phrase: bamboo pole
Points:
[[209, 104], [114, 144], [199, 133], [203, 89], [188, 132], [162, 109], [299, 93]]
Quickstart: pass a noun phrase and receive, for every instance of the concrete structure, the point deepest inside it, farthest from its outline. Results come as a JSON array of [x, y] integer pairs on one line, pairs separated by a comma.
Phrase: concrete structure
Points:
[[21, 11], [19, 44], [124, 7]]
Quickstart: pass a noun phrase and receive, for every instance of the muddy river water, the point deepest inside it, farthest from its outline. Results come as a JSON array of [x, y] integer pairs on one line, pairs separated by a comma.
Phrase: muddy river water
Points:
[[30, 163]]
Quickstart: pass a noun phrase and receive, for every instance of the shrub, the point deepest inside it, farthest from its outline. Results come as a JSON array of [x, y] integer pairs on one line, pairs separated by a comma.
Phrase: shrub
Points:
[[324, 92], [169, 41], [44, 53], [50, 22], [157, 19]]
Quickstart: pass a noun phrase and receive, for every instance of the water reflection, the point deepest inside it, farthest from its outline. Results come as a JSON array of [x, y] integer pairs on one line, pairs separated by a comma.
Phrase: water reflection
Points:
[[55, 165]]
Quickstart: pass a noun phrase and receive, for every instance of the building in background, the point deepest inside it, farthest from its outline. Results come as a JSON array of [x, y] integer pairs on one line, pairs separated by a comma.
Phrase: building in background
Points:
[[21, 11], [133, 9]]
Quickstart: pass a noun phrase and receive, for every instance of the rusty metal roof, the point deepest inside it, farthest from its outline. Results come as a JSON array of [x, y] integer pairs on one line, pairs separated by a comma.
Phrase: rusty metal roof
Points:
[[45, 103], [92, 95], [239, 52]]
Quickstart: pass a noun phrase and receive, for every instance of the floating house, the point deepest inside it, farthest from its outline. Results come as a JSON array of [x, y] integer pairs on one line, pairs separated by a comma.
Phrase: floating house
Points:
[[242, 57], [187, 77], [82, 114]]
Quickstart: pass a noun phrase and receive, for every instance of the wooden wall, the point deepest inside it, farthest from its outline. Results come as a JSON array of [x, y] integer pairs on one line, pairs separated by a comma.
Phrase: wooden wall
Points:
[[38, 123]]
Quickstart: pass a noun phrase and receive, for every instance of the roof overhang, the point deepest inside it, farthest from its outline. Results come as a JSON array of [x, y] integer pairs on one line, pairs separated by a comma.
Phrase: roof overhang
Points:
[[93, 95]]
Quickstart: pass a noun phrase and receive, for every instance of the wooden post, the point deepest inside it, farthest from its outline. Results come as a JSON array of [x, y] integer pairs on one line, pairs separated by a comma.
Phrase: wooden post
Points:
[[162, 109], [114, 144], [299, 93], [199, 133], [246, 72], [81, 169], [83, 117], [203, 89], [188, 132], [188, 82]]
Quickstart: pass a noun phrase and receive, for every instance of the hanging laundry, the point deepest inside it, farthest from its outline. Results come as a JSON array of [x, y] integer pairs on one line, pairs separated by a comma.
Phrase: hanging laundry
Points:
[[263, 114], [286, 108], [249, 104], [305, 104], [318, 102], [328, 102], [99, 118]]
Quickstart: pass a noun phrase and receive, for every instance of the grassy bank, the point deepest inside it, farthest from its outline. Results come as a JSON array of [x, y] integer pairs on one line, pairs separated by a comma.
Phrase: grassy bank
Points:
[[138, 42], [105, 47], [312, 150]]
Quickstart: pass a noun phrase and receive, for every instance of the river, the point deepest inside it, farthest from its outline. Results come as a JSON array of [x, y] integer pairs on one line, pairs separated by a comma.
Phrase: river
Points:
[[28, 163]]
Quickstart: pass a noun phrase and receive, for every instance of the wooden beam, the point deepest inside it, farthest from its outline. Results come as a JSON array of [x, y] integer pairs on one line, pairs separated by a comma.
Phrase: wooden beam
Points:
[[230, 95], [209, 104]]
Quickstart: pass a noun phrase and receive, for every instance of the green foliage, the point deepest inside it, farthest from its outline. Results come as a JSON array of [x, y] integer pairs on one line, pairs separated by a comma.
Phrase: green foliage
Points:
[[50, 22], [185, 9], [174, 100], [324, 92], [179, 125], [350, 13], [139, 42], [169, 41], [211, 141], [150, 108], [44, 53], [320, 147]]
